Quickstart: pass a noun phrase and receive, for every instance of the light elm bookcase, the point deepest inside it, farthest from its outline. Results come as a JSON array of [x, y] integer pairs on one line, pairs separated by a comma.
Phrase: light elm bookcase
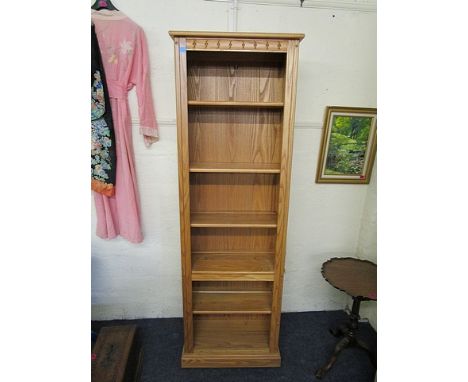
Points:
[[235, 115]]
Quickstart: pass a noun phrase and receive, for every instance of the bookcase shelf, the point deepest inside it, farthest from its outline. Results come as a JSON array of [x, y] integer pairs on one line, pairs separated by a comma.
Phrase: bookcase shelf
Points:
[[231, 302], [255, 168], [232, 335], [240, 266], [234, 219], [235, 117], [236, 104], [233, 286]]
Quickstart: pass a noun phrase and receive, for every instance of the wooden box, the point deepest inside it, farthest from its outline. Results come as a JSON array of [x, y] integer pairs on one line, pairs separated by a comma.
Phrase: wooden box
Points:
[[116, 355]]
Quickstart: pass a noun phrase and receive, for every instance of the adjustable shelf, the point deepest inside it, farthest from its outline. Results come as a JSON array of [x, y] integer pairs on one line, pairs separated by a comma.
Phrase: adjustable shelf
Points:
[[233, 219], [232, 286], [247, 168], [231, 302], [235, 116], [236, 104], [240, 266]]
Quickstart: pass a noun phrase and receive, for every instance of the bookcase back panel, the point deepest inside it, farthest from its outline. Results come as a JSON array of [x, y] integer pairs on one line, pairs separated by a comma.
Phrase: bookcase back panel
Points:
[[224, 333], [211, 192], [232, 286], [232, 302], [235, 77], [234, 239], [235, 135]]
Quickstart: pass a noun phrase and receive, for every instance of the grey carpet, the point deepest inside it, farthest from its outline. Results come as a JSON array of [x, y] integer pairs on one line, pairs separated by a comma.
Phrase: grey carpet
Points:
[[305, 344]]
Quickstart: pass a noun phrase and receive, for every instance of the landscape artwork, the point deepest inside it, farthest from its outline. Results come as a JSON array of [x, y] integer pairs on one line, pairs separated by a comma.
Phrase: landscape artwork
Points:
[[348, 145]]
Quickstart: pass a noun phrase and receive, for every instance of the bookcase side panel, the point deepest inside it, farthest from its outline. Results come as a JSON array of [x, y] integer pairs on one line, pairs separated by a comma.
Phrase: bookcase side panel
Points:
[[285, 176], [184, 191]]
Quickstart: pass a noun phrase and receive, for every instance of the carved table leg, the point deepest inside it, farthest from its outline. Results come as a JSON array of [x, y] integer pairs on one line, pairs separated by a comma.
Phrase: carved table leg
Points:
[[343, 343], [361, 344], [348, 330], [341, 330]]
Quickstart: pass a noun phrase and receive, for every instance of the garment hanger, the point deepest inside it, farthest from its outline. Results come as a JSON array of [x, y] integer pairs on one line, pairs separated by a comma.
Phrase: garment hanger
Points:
[[104, 4]]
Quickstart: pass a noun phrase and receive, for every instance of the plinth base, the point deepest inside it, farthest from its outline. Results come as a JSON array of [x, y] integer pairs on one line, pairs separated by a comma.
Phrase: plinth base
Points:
[[228, 360]]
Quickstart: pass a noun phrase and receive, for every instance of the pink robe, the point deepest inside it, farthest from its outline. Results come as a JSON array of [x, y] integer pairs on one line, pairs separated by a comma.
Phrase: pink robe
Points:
[[125, 57]]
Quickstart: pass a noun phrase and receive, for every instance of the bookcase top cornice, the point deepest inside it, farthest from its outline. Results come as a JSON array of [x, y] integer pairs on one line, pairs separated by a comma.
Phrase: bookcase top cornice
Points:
[[233, 35]]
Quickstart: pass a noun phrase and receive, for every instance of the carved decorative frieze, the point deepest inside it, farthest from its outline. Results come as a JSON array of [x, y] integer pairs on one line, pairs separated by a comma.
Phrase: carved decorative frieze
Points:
[[238, 45]]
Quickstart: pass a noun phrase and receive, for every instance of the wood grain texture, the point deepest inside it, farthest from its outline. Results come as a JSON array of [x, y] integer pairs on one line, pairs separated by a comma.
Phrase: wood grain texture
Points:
[[184, 188], [233, 239], [356, 277], [240, 266], [232, 286], [235, 58], [236, 97], [233, 219], [231, 302], [236, 45], [235, 135], [233, 192], [243, 104], [283, 202], [189, 360], [238, 79], [283, 36], [244, 35], [117, 354], [256, 168], [234, 334]]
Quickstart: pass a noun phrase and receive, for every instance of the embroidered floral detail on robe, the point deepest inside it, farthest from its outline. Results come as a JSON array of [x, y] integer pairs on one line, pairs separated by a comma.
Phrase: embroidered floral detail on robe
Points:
[[103, 158]]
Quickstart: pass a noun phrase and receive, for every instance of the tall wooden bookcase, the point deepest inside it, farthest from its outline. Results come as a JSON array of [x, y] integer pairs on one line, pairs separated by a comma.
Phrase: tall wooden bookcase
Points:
[[235, 115]]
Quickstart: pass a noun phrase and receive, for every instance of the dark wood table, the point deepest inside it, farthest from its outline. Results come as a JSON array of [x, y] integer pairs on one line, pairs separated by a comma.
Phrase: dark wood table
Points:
[[357, 278]]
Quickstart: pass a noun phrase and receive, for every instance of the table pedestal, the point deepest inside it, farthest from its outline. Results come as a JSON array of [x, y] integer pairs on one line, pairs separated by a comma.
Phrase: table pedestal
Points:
[[348, 331]]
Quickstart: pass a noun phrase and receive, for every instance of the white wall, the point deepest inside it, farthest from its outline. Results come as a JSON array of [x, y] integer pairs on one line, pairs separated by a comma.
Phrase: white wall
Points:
[[367, 244], [337, 66]]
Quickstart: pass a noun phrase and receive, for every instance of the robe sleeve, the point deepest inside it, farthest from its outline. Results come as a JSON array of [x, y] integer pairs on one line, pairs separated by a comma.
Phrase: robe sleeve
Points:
[[141, 79]]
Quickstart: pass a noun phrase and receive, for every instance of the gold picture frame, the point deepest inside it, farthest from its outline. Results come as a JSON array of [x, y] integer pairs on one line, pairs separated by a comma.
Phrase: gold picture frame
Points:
[[348, 146]]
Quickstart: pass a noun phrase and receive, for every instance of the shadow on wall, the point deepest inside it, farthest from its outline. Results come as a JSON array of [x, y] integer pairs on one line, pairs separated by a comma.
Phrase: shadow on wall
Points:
[[96, 277]]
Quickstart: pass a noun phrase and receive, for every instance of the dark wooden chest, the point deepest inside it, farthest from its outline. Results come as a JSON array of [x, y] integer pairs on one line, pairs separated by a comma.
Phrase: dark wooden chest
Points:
[[116, 355]]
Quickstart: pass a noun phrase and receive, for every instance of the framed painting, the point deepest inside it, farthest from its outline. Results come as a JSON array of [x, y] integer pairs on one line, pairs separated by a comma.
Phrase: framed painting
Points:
[[349, 144]]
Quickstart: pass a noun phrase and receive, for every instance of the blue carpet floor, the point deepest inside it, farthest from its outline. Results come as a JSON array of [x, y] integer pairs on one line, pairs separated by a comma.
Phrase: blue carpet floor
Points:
[[305, 345]]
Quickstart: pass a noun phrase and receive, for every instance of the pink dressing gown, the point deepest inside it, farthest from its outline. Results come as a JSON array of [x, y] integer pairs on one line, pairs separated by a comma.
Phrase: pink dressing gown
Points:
[[125, 58]]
